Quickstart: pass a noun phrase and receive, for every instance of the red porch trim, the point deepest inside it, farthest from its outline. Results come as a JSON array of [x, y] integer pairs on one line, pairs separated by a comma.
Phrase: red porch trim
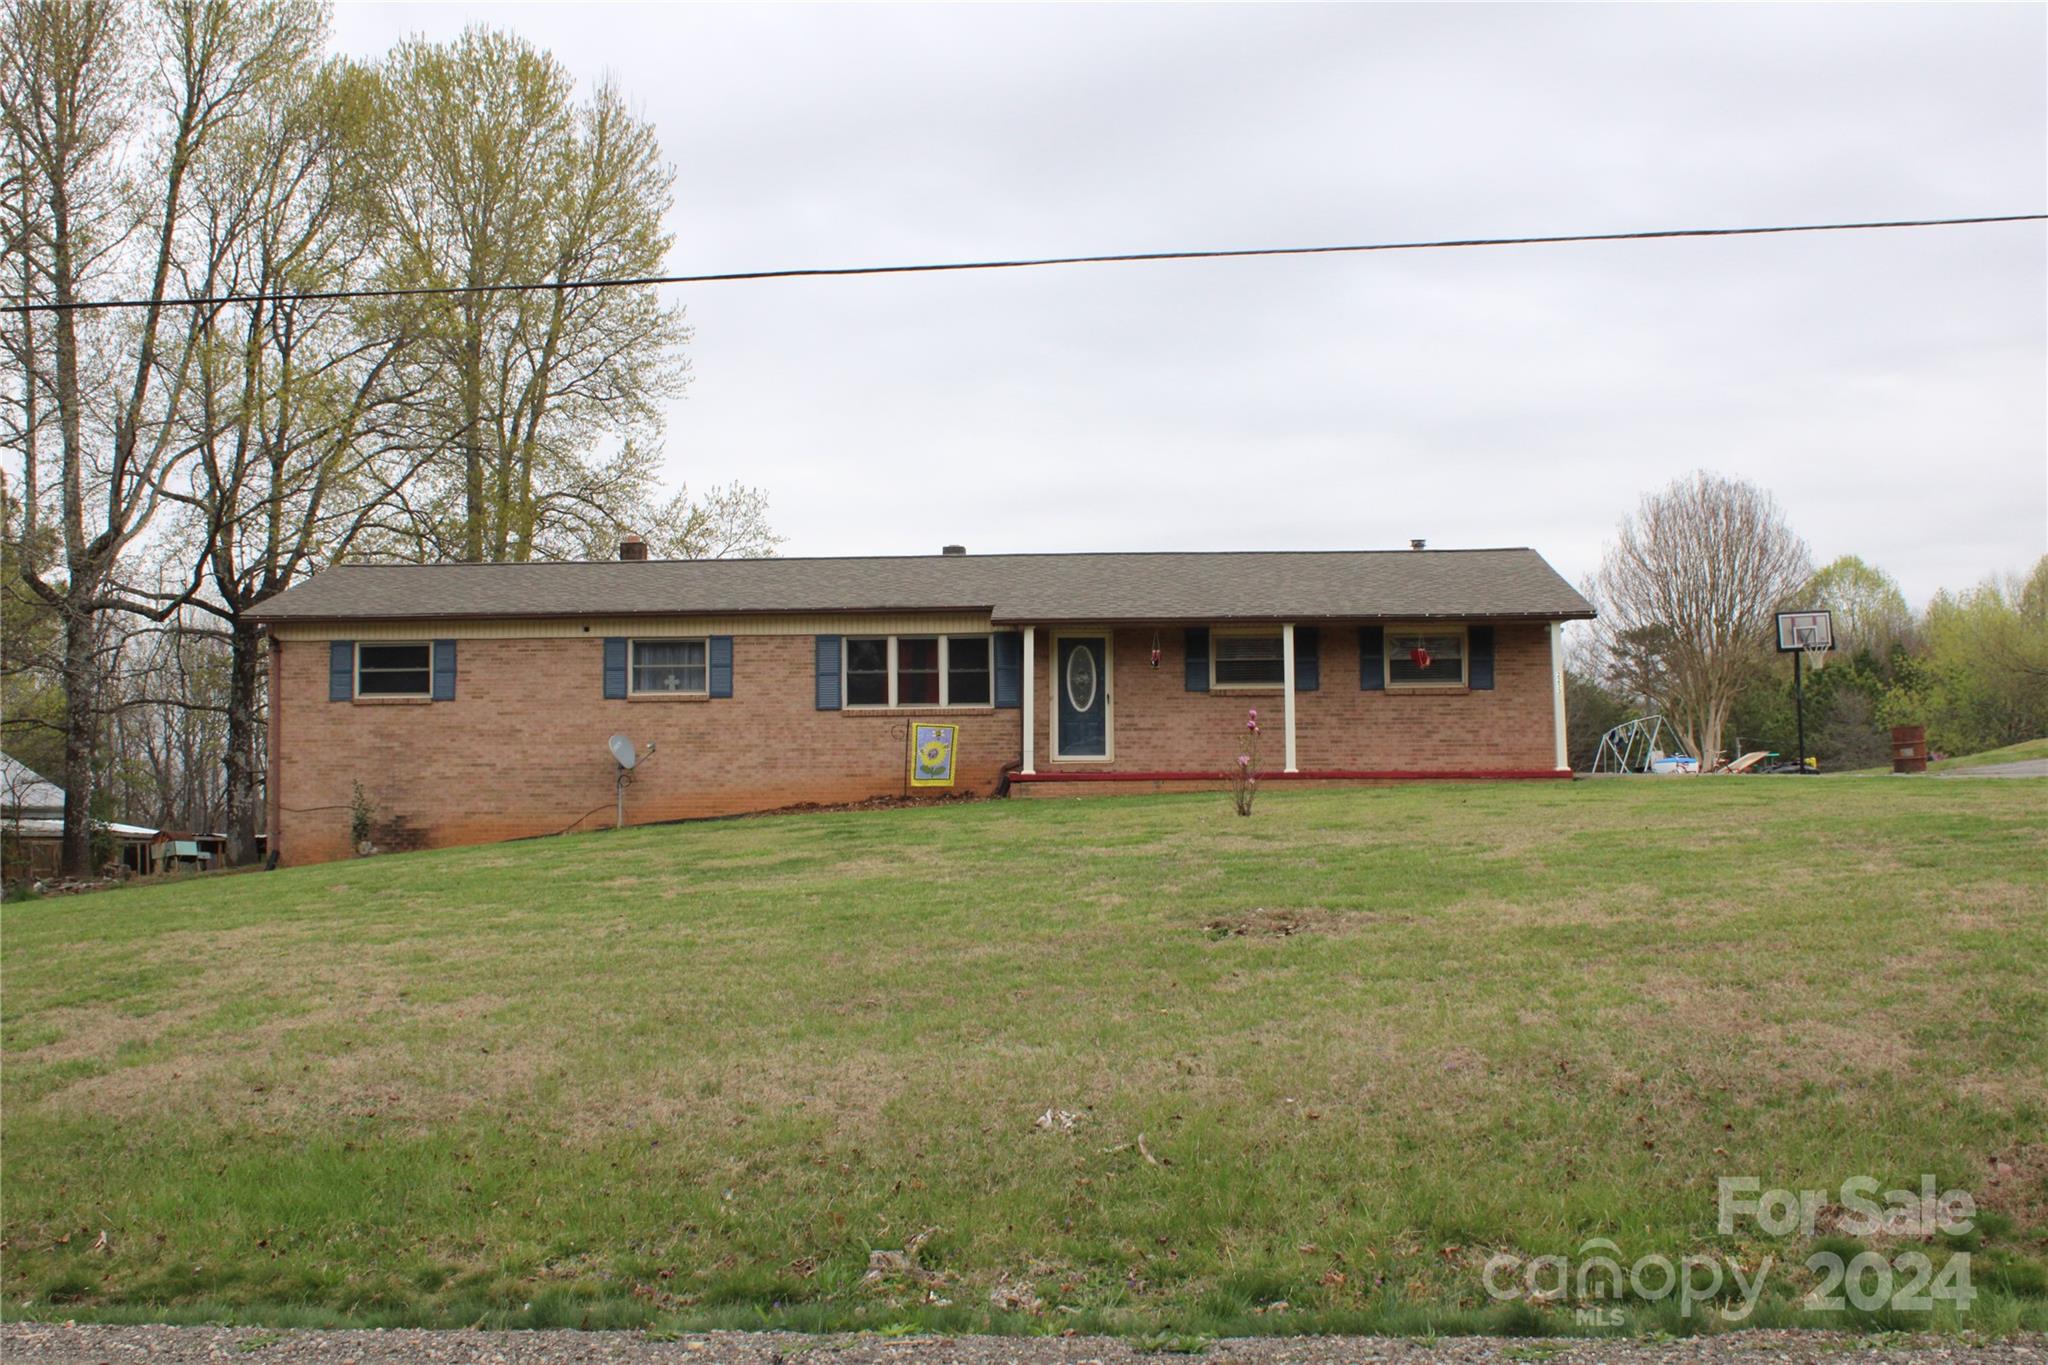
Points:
[[1310, 775]]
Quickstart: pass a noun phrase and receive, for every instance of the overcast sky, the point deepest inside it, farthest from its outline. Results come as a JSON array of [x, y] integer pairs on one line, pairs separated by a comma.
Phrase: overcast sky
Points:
[[1890, 388]]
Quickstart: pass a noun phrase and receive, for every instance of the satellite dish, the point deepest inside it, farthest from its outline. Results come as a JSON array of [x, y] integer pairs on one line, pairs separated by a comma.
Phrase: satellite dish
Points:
[[622, 750]]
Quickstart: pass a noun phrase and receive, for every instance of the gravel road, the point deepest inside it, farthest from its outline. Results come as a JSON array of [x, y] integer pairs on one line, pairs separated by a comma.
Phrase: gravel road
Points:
[[78, 1345]]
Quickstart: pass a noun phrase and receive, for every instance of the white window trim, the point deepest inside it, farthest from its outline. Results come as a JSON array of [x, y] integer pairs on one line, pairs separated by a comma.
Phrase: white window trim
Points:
[[1279, 636], [1054, 682], [888, 673], [357, 681], [632, 646], [945, 702], [946, 672], [1394, 628]]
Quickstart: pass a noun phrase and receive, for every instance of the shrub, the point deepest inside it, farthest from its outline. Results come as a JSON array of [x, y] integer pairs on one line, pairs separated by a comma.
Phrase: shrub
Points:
[[1244, 779]]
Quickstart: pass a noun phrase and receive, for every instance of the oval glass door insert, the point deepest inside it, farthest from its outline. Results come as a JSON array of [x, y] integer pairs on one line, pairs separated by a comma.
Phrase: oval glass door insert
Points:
[[1081, 678]]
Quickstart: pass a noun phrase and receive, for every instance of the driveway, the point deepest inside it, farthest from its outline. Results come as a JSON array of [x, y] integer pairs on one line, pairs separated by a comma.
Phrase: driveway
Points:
[[2026, 767]]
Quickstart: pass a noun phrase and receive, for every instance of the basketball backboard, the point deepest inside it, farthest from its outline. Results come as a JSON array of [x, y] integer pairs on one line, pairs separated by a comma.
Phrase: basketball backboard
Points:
[[1805, 631]]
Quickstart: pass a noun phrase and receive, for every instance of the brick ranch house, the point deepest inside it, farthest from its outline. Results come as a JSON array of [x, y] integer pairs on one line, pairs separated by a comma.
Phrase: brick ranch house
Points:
[[474, 702]]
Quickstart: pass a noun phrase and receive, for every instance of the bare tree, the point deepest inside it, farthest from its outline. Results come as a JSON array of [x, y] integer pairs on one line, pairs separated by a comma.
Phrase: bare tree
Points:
[[167, 148], [1687, 591], [730, 521], [106, 112], [300, 417], [166, 738]]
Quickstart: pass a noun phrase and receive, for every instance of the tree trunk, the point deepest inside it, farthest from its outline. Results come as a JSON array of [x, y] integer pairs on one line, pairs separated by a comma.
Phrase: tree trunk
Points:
[[245, 676], [81, 667], [473, 438], [81, 730]]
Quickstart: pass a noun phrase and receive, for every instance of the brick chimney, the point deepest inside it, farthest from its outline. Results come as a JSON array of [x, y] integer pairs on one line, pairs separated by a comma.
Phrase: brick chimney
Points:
[[632, 547]]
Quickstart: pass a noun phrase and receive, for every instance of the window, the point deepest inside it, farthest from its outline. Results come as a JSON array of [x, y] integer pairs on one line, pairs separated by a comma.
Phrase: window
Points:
[[967, 674], [670, 667], [918, 670], [1246, 659], [1425, 656], [395, 670], [867, 672]]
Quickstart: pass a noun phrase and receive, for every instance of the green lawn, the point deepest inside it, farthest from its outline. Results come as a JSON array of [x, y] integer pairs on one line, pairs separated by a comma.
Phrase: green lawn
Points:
[[1334, 1056]]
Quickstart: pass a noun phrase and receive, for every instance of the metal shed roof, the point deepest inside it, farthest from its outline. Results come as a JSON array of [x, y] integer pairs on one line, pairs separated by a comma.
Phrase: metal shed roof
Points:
[[24, 789]]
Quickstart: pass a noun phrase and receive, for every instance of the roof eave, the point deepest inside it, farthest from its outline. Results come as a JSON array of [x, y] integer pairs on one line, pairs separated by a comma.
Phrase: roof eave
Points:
[[1004, 618], [405, 618], [1281, 618]]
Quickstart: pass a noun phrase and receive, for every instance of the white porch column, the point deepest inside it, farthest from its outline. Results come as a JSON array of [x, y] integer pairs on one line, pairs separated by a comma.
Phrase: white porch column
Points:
[[1287, 689], [1564, 756], [1030, 697]]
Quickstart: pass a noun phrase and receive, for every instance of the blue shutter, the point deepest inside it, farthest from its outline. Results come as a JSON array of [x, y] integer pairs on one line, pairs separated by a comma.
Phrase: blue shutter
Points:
[[1308, 658], [1479, 658], [1009, 647], [1198, 659], [1372, 659], [615, 668], [828, 672], [341, 670], [721, 665], [444, 670]]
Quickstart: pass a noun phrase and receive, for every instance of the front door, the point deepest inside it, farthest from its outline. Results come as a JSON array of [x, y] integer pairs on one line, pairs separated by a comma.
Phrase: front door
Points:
[[1081, 696]]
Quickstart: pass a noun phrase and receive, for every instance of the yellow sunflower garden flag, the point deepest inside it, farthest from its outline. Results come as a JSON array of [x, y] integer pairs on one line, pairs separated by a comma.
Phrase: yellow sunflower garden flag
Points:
[[931, 755]]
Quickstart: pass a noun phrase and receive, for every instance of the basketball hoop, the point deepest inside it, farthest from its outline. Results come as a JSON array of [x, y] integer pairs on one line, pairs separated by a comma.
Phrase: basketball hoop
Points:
[[1807, 636], [1814, 645]]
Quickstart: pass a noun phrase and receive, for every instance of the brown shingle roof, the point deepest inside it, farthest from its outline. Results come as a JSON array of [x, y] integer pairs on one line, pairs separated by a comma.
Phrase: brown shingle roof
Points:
[[1174, 586]]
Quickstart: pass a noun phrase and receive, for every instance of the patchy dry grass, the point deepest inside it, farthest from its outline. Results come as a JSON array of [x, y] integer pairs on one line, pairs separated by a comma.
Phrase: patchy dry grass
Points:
[[695, 1075]]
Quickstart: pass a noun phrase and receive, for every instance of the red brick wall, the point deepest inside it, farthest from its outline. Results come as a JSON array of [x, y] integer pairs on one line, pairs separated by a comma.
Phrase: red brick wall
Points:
[[521, 750], [1160, 726]]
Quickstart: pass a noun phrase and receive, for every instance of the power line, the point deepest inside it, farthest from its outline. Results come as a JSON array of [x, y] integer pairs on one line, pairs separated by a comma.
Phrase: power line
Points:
[[826, 272]]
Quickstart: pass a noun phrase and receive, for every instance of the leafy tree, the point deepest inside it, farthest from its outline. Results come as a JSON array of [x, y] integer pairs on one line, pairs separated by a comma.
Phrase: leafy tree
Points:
[[499, 177], [1873, 627], [1842, 705], [1688, 589], [1850, 736], [1983, 680], [1590, 710], [1869, 613], [31, 650], [1763, 716]]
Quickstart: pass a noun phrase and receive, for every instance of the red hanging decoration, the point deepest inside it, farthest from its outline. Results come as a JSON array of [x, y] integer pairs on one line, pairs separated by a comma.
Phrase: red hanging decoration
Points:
[[1419, 657], [1155, 649]]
